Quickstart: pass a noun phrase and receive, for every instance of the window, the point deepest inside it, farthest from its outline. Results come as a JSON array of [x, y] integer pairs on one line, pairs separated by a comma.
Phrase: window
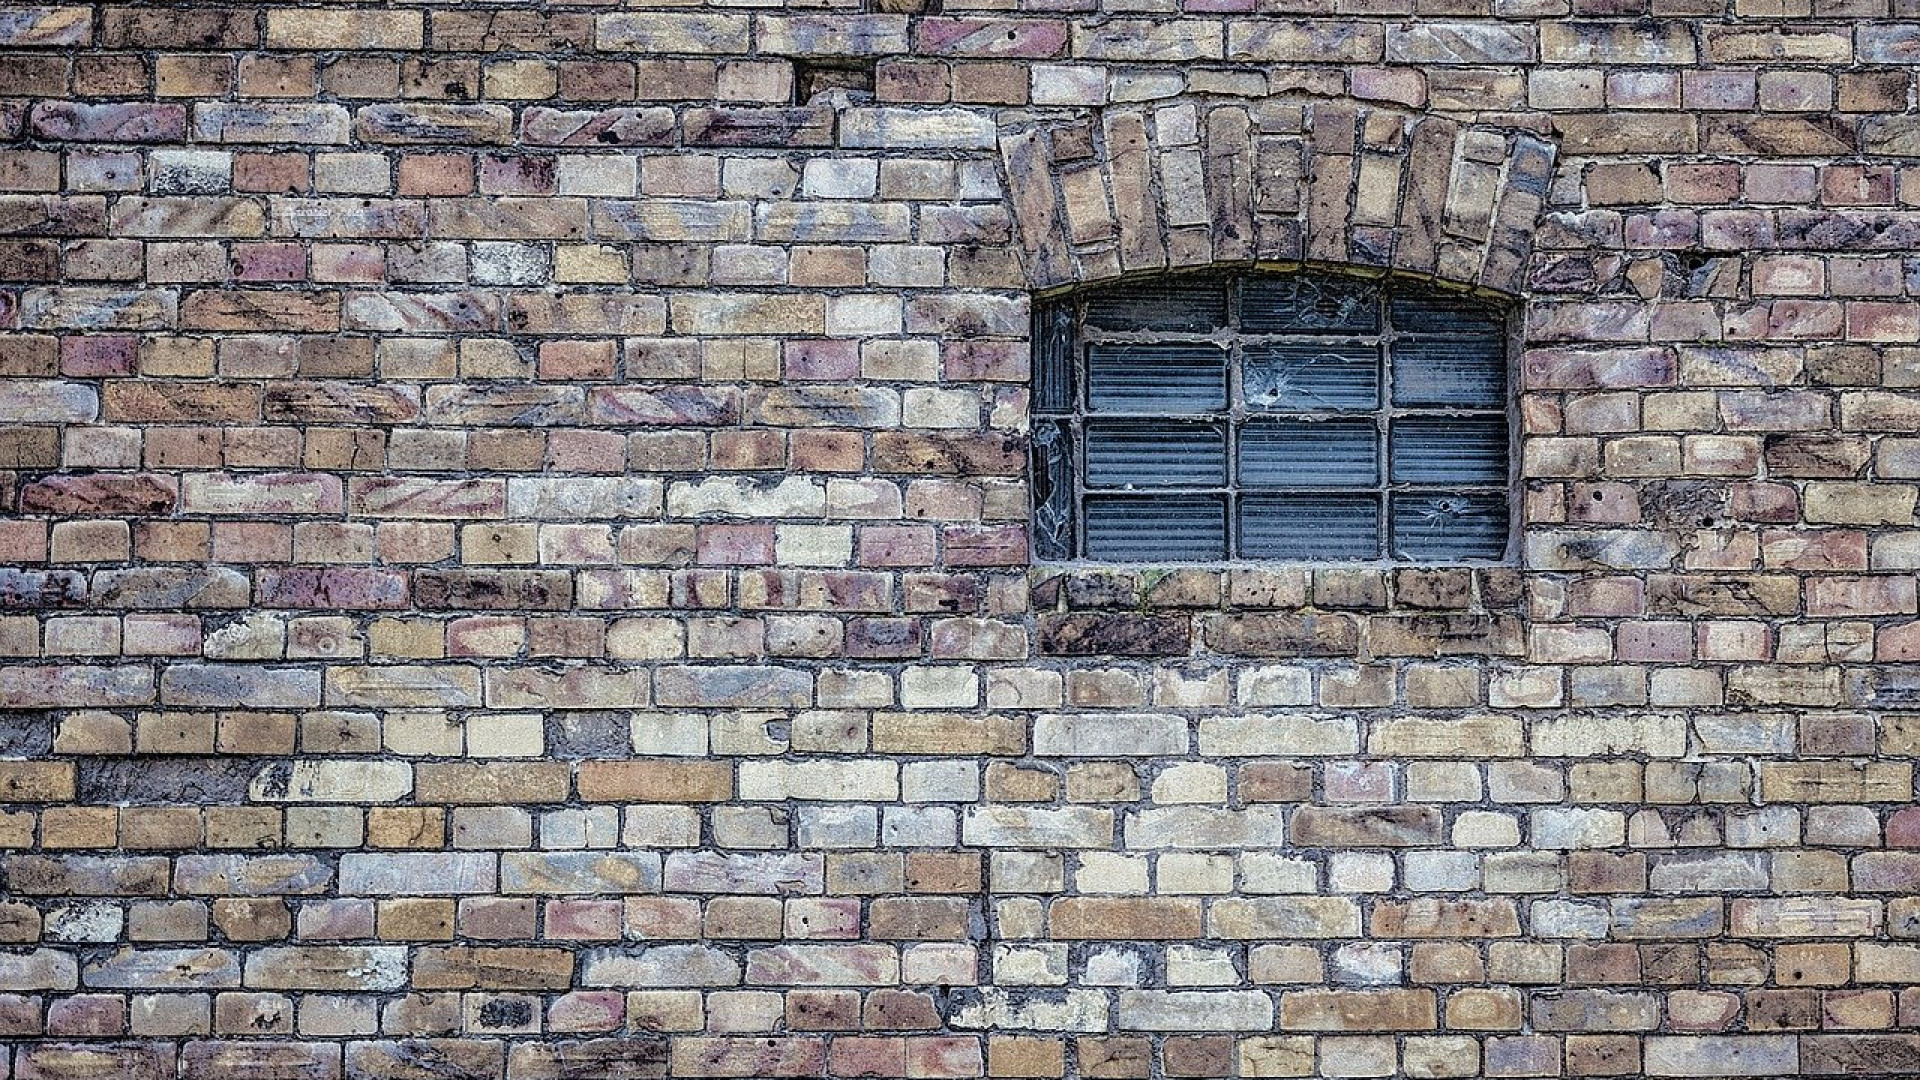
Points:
[[1270, 416]]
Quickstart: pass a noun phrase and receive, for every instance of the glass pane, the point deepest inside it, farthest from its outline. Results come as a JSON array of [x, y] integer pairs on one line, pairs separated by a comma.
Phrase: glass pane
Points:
[[1434, 313], [1310, 454], [1052, 489], [1303, 377], [1184, 304], [1318, 527], [1156, 379], [1450, 450], [1053, 357], [1450, 371], [1165, 528], [1122, 454], [1444, 526], [1298, 303]]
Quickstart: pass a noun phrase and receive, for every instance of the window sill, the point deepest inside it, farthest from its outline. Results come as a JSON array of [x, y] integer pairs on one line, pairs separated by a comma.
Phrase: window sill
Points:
[[1271, 612]]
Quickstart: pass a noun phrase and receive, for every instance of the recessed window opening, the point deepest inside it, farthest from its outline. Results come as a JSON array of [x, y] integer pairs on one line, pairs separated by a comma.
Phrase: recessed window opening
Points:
[[1267, 416], [814, 77]]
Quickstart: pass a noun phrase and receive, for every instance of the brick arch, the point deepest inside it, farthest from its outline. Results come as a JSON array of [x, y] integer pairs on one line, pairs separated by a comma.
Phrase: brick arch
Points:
[[1193, 181]]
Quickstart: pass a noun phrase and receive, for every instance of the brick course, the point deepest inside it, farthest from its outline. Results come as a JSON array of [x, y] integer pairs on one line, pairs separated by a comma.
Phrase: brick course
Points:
[[517, 561]]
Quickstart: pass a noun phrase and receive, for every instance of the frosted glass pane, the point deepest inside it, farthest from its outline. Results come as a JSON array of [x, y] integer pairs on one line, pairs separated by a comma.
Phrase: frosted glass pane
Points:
[[1155, 455], [1165, 528], [1470, 372], [1448, 527], [1156, 379], [1318, 527], [1304, 453], [1191, 305], [1442, 314], [1308, 305], [1450, 450], [1304, 377]]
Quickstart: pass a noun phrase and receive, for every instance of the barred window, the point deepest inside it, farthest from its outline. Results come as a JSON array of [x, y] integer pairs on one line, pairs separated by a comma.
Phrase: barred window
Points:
[[1271, 416]]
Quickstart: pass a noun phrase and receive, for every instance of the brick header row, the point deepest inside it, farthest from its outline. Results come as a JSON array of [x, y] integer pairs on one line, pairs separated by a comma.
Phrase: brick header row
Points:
[[1194, 180]]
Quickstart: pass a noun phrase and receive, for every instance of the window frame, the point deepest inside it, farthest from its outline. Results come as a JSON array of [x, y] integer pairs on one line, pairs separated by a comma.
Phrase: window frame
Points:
[[1059, 321]]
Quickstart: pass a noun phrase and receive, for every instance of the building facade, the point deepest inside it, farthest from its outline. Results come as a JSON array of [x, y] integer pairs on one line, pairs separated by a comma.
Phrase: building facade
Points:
[[589, 541]]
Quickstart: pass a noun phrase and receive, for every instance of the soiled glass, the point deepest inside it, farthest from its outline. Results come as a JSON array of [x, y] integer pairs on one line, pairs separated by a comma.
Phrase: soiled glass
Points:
[[1125, 454], [1187, 305], [1156, 380], [1318, 527], [1450, 450], [1309, 453], [1442, 527], [1306, 377], [1164, 528]]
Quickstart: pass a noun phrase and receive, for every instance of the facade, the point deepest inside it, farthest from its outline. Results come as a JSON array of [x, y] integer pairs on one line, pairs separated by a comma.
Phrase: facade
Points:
[[522, 566]]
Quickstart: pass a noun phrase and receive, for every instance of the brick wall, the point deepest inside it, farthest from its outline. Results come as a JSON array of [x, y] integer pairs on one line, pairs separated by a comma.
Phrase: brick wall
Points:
[[517, 564]]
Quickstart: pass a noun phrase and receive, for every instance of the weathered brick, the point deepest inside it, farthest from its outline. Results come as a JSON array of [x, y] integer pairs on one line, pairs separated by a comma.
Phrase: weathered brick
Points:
[[82, 875], [434, 124], [40, 969], [240, 686], [733, 687], [164, 969], [758, 127], [403, 686], [1437, 42], [131, 122], [36, 781], [1358, 1010], [580, 688], [1387, 826], [236, 1060], [1104, 735], [429, 499], [973, 37], [49, 402], [94, 1061], [243, 875], [631, 1056], [1123, 918], [1283, 635], [1113, 635], [464, 967], [656, 781], [346, 30], [1182, 1011], [579, 872], [421, 874], [395, 1059], [602, 127], [32, 686], [1422, 918], [491, 782], [1024, 827], [1284, 917], [1721, 1055], [739, 1056], [47, 26], [653, 33]]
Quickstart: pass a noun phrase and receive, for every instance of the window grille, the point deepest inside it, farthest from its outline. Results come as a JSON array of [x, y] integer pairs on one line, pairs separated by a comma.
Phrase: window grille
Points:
[[1297, 417]]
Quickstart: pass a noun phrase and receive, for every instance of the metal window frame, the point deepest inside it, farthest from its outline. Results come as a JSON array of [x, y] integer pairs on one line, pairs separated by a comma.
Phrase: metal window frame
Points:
[[1060, 533]]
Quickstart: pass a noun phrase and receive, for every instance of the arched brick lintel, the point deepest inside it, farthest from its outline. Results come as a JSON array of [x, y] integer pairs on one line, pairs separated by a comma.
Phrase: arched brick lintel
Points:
[[1194, 181]]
